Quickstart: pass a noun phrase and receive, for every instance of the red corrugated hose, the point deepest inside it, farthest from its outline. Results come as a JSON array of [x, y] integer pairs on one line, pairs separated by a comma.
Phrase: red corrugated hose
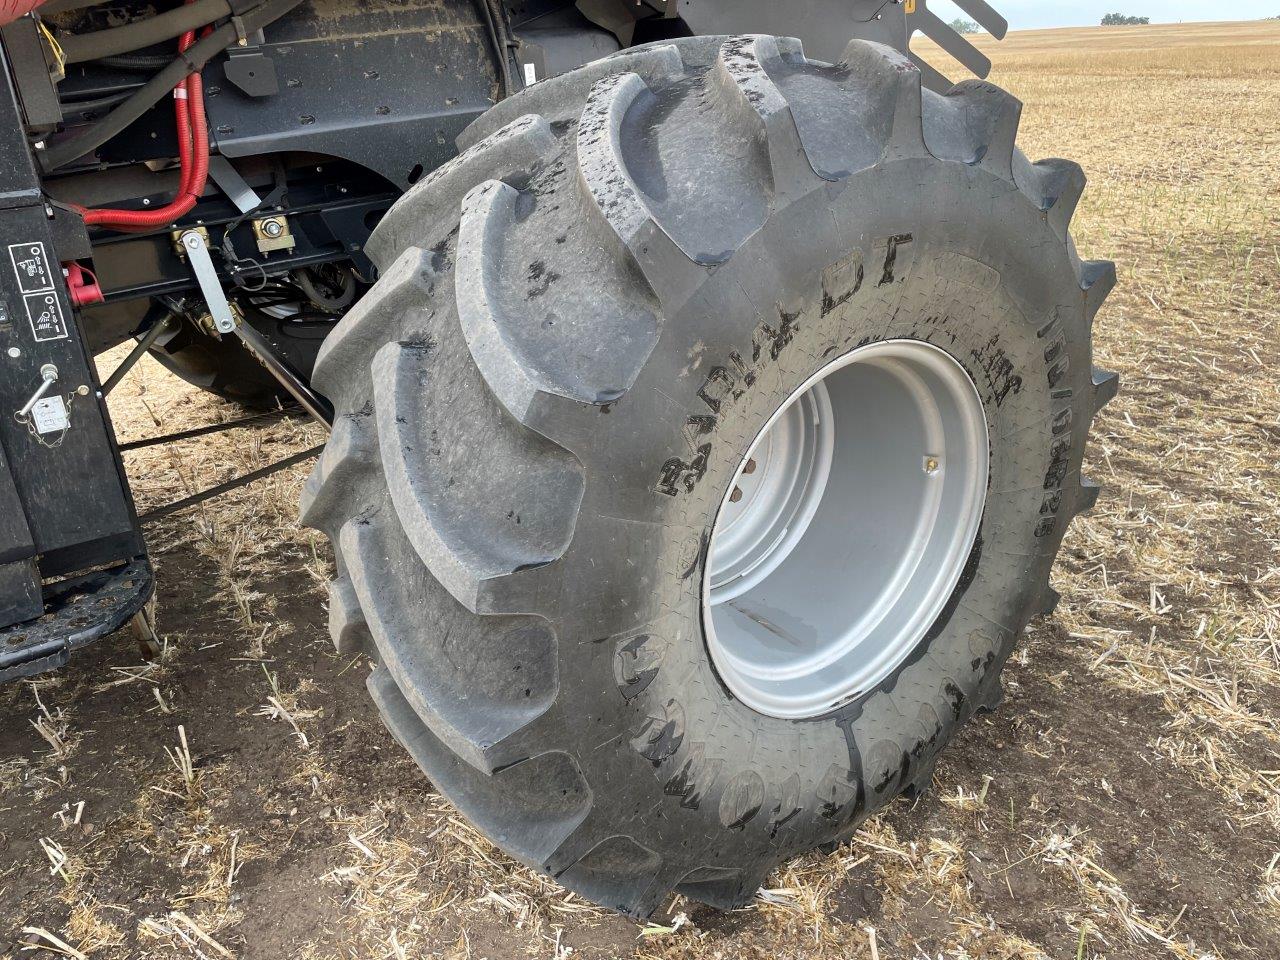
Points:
[[193, 154]]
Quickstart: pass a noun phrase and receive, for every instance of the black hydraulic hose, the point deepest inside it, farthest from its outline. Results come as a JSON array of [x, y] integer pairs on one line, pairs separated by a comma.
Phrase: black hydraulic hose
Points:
[[137, 62], [505, 44], [150, 93], [494, 32], [78, 47], [98, 103]]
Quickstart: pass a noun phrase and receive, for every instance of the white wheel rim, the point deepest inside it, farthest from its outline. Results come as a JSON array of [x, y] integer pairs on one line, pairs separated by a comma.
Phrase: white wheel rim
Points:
[[847, 528]]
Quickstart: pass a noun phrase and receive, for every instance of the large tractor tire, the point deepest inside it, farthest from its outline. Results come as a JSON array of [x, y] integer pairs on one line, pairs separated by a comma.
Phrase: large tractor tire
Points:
[[703, 452]]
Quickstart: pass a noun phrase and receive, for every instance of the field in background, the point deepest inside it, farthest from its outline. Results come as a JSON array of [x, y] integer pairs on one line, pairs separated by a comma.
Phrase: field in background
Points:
[[1124, 803]]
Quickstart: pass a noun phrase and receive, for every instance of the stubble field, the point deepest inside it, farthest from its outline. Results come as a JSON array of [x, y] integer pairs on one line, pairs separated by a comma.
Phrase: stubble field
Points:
[[1124, 802]]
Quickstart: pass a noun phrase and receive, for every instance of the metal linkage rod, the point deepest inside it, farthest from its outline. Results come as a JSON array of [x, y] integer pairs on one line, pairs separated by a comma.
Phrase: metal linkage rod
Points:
[[199, 498], [143, 345], [312, 402], [205, 431]]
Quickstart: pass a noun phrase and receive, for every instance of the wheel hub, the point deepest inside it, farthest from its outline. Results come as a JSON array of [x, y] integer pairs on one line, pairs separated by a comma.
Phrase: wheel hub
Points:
[[846, 529]]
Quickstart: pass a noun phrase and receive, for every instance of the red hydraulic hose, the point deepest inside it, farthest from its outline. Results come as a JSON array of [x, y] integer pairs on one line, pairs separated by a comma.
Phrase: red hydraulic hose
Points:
[[193, 155]]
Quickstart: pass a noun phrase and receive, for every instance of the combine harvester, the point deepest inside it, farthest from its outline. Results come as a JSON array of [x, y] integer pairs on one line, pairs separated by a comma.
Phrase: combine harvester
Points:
[[703, 433]]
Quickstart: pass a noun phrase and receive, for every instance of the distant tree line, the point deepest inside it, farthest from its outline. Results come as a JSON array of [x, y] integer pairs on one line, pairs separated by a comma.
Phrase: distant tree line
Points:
[[962, 26], [1120, 20]]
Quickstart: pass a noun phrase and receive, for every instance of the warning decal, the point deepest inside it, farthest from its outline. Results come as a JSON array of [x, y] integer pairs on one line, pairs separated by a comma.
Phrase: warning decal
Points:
[[35, 280]]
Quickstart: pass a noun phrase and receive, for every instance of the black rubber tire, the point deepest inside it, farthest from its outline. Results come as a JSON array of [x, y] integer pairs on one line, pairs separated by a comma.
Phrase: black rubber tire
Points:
[[582, 323], [226, 369]]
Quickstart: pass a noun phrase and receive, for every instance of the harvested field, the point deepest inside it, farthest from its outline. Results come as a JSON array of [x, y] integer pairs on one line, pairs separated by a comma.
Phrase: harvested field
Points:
[[239, 797]]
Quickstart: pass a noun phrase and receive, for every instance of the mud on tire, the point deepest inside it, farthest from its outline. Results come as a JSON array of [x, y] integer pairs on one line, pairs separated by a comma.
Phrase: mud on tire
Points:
[[581, 324]]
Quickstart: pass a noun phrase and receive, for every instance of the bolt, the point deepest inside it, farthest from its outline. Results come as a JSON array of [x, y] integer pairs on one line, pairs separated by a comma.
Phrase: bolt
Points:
[[14, 353], [931, 465], [750, 467], [82, 390], [272, 228], [736, 495]]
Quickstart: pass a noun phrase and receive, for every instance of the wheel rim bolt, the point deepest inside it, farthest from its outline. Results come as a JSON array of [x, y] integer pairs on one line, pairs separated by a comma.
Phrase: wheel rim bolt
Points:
[[736, 495]]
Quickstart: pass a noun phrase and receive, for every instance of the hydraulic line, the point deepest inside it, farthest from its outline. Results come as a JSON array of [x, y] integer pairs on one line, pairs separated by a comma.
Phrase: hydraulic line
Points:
[[495, 25], [79, 47], [60, 154], [193, 153], [98, 103], [139, 62]]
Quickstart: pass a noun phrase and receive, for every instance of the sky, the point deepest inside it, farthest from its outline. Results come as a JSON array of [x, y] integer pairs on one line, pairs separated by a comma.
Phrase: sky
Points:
[[1033, 14]]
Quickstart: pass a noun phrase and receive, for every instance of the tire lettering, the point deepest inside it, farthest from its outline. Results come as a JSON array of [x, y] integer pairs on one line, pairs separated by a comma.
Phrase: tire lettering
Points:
[[841, 282], [741, 800], [788, 805], [659, 737], [678, 475], [838, 794], [1061, 421], [695, 777], [999, 370], [635, 665], [889, 275]]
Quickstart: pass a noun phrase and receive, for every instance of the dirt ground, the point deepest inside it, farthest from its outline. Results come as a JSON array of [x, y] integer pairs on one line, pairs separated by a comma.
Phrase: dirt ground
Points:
[[239, 798]]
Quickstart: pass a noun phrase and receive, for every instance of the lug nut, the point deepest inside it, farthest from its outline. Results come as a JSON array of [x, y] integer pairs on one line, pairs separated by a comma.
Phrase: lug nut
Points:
[[931, 465], [750, 467], [736, 495]]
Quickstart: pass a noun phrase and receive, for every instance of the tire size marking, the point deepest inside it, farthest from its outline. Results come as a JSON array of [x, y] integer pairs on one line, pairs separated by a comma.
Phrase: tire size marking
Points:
[[726, 383], [1061, 421]]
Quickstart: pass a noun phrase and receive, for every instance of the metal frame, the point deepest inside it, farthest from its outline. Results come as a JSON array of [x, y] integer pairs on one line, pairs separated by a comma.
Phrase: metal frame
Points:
[[65, 505], [824, 26]]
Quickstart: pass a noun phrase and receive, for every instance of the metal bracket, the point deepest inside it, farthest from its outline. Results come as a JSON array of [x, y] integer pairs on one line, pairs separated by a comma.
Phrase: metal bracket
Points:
[[273, 233], [225, 321], [233, 185], [252, 71], [176, 237], [210, 285]]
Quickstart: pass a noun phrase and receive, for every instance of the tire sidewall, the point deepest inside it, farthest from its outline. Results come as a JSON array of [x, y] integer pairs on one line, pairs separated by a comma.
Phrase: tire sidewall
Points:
[[916, 249]]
